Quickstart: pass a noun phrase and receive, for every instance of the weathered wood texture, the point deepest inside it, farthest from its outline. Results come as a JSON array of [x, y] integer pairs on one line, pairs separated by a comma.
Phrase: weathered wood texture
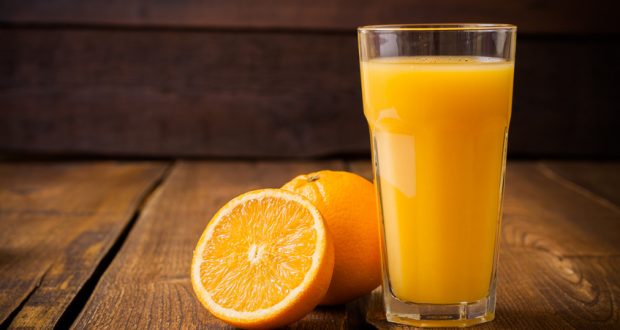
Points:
[[559, 258], [600, 178], [548, 16], [559, 263], [148, 286], [57, 222], [263, 94], [187, 94]]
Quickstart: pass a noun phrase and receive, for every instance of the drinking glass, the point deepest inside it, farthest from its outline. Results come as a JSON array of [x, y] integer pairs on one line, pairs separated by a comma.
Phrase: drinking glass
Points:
[[438, 99]]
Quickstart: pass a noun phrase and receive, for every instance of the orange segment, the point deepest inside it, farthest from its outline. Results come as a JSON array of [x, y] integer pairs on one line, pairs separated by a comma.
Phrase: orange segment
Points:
[[264, 260]]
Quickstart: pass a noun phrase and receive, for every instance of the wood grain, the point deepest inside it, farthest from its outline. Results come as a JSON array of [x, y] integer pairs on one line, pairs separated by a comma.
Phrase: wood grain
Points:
[[559, 256], [148, 285], [559, 261], [588, 125], [600, 178], [57, 222], [262, 94], [543, 214], [548, 16], [188, 94]]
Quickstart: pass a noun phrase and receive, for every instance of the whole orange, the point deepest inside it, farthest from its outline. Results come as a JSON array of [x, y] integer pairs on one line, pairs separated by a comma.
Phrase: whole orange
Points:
[[347, 203]]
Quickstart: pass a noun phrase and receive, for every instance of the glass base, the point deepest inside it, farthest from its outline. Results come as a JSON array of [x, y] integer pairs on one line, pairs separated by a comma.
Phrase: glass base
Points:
[[433, 315]]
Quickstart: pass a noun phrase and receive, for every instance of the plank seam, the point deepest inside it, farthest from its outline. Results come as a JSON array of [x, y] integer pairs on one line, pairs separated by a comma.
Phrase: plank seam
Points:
[[523, 247], [173, 28], [162, 27], [591, 256], [5, 324], [552, 175], [77, 304], [347, 165]]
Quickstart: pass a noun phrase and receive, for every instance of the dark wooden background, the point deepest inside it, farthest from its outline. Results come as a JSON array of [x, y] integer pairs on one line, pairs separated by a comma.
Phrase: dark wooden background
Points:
[[275, 78]]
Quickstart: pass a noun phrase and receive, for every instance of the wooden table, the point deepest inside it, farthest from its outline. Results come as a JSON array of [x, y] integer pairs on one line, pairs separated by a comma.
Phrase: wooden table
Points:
[[107, 245]]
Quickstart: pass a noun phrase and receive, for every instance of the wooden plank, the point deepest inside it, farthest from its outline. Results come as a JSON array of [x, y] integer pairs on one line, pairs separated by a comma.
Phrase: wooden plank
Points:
[[589, 122], [542, 214], [259, 94], [600, 178], [188, 94], [549, 16], [148, 285], [559, 258], [361, 167], [57, 222]]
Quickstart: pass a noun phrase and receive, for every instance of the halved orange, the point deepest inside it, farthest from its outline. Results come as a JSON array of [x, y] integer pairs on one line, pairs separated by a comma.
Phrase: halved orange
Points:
[[264, 260]]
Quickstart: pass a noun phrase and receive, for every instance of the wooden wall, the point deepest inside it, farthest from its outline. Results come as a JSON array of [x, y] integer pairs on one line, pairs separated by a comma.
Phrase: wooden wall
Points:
[[275, 78]]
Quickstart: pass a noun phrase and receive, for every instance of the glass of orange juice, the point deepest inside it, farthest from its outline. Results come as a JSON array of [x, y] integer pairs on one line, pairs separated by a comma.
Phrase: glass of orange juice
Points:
[[438, 100]]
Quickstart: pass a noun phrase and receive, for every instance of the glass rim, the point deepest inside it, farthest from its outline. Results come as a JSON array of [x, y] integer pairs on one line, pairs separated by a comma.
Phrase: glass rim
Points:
[[439, 27]]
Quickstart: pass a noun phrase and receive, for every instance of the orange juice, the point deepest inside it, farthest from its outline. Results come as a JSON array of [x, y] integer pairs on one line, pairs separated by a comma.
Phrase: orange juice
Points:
[[439, 128]]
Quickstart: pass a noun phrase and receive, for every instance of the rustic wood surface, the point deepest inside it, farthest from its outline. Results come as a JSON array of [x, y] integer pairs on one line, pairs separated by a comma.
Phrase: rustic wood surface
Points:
[[183, 93], [57, 224], [187, 94], [532, 16], [603, 178], [148, 286], [559, 263]]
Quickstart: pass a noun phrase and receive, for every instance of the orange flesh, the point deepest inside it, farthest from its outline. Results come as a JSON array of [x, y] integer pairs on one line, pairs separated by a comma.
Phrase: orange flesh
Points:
[[270, 258]]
